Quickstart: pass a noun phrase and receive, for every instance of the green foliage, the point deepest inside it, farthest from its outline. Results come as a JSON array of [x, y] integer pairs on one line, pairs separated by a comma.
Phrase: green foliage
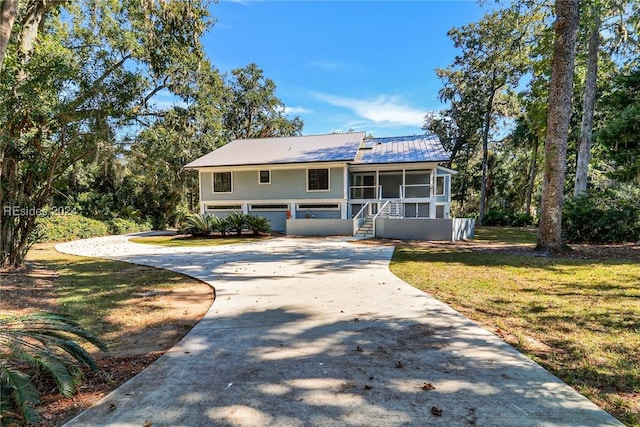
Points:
[[160, 188], [258, 224], [41, 342], [237, 221], [220, 225], [251, 108], [479, 86], [125, 226], [621, 131], [507, 218], [609, 216], [60, 228], [201, 224], [77, 80]]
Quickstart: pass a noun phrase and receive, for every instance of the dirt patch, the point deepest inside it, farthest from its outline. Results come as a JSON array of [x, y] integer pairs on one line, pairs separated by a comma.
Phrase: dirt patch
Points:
[[168, 314], [28, 289]]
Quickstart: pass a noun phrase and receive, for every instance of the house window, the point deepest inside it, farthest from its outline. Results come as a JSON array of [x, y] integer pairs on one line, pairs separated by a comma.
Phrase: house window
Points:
[[264, 177], [269, 207], [440, 186], [319, 206], [222, 182], [224, 208], [317, 179]]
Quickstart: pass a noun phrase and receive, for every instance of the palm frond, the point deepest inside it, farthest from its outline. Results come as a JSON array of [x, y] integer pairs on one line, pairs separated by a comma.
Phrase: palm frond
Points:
[[48, 343], [237, 221], [19, 392], [258, 224]]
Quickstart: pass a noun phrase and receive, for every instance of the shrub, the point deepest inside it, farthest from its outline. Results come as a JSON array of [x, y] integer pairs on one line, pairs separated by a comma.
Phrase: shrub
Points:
[[507, 218], [610, 216], [60, 228], [41, 342], [200, 224], [220, 225], [258, 224], [237, 222], [125, 226]]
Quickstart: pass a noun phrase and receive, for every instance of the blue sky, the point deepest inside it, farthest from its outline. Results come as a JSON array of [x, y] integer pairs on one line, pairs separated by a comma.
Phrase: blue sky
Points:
[[340, 65]]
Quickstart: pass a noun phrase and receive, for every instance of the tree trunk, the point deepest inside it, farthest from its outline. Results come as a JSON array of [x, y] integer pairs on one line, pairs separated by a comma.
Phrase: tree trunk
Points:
[[533, 169], [8, 10], [485, 151], [558, 118], [588, 106]]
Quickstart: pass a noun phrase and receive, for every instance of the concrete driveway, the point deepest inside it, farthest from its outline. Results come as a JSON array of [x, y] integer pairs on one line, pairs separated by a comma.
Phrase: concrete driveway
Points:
[[318, 332]]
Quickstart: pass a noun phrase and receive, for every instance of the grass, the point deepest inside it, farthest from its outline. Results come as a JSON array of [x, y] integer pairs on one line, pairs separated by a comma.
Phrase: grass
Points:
[[173, 241], [579, 318], [107, 297], [506, 235]]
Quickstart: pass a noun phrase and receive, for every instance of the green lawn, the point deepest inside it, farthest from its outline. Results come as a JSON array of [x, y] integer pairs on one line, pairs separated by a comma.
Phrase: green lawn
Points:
[[579, 318], [108, 297], [173, 241], [505, 235]]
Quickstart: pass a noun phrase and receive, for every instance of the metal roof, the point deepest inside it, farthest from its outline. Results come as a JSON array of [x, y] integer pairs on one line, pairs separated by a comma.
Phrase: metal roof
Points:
[[281, 150], [402, 149], [340, 147]]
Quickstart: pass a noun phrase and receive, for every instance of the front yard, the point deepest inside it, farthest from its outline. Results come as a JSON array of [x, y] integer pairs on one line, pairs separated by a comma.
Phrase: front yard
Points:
[[579, 317], [140, 312]]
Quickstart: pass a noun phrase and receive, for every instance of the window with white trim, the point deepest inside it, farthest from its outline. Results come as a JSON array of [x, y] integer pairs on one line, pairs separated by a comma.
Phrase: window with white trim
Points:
[[269, 207], [222, 182], [264, 177], [224, 208], [440, 180], [317, 179], [319, 206]]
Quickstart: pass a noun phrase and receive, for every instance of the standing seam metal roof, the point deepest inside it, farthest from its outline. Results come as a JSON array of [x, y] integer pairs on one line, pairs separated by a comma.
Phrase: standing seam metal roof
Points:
[[402, 149], [295, 149], [347, 147]]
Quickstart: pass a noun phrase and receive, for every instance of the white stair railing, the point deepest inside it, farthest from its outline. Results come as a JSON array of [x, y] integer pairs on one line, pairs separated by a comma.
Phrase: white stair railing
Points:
[[380, 210], [359, 218], [395, 209]]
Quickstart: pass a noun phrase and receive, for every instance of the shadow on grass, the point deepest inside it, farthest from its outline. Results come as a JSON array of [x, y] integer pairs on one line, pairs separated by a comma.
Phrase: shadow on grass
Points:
[[504, 256], [92, 290], [586, 310], [506, 234]]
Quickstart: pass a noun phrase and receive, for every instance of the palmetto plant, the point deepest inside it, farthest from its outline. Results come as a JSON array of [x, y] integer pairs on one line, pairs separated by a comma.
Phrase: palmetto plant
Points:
[[44, 342], [220, 225], [258, 224], [200, 224], [237, 222]]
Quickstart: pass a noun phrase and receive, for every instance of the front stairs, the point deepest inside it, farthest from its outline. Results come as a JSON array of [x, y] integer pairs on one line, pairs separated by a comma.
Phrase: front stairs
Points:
[[366, 231], [390, 209]]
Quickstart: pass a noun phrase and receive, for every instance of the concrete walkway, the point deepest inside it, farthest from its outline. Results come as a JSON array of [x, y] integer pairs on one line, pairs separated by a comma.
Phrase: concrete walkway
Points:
[[318, 332]]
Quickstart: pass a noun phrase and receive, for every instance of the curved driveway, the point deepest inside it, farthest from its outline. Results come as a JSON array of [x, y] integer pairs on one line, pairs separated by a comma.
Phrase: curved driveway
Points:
[[319, 332]]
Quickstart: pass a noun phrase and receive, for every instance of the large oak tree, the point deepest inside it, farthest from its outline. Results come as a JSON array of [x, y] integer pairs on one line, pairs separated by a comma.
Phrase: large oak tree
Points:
[[78, 76]]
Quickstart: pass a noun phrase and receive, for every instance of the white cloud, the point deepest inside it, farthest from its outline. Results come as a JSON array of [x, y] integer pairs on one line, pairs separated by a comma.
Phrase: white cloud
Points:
[[382, 110], [296, 110]]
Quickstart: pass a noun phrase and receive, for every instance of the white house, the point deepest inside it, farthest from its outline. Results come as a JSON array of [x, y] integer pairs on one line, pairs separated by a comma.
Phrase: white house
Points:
[[335, 184]]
